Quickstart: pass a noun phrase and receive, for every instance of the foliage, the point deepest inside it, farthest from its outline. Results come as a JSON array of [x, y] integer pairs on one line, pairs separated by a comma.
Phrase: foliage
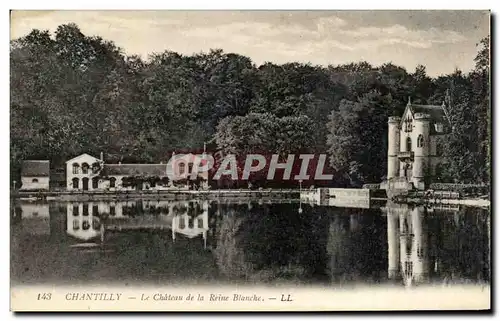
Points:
[[72, 93]]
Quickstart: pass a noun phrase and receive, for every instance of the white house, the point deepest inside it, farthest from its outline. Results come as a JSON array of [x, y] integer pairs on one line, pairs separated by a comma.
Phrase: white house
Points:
[[82, 171], [87, 173], [415, 152], [35, 175]]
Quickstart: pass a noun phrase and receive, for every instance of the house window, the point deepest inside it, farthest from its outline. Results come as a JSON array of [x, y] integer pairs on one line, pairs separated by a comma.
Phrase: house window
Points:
[[95, 182], [85, 168], [420, 141], [34, 180], [76, 225], [75, 183], [112, 182], [76, 168], [96, 225], [439, 127], [182, 168], [190, 168], [85, 225], [200, 223], [95, 210], [85, 209], [75, 210], [112, 211], [182, 223], [408, 144]]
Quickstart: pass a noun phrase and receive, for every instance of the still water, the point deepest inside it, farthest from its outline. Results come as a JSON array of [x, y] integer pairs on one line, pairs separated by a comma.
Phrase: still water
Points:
[[209, 242]]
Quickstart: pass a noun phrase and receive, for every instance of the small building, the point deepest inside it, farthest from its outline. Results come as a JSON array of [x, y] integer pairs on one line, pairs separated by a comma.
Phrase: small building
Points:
[[87, 173], [81, 170], [189, 168], [415, 155], [35, 175], [117, 176]]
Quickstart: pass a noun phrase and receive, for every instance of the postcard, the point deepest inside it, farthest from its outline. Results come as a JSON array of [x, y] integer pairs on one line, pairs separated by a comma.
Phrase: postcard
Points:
[[250, 160]]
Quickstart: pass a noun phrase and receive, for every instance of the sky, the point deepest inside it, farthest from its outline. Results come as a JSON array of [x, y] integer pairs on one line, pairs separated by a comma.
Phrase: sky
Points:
[[440, 40]]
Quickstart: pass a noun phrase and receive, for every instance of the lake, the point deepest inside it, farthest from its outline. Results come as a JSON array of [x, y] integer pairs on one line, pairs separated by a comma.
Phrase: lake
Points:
[[231, 242]]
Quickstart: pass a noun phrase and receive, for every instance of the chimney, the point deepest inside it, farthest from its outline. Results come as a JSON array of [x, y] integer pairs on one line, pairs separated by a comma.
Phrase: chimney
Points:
[[102, 156]]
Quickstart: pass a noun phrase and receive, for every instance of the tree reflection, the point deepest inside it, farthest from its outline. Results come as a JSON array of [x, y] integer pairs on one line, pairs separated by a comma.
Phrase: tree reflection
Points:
[[270, 243]]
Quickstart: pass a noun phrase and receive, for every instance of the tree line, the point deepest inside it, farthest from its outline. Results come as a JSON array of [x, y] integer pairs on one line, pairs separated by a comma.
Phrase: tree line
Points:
[[73, 93]]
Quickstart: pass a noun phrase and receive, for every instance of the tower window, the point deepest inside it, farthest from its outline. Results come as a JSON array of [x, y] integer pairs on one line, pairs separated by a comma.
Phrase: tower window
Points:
[[408, 124], [182, 168], [408, 144], [420, 141], [420, 252]]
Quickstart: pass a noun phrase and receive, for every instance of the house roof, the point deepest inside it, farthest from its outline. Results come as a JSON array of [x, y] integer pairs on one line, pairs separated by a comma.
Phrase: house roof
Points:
[[84, 154], [35, 168], [57, 177], [437, 113], [135, 169]]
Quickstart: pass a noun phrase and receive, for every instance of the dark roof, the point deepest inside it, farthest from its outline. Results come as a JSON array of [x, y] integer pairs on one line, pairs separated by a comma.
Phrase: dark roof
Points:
[[437, 113], [57, 177], [35, 168], [135, 169]]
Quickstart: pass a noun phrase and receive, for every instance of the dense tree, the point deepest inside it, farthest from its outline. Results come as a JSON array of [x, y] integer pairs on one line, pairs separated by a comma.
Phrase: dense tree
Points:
[[73, 93], [357, 134]]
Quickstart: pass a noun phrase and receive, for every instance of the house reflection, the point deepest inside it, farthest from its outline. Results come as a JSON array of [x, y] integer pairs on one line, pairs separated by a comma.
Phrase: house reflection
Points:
[[83, 220], [408, 247], [417, 245], [89, 220], [194, 223], [35, 218]]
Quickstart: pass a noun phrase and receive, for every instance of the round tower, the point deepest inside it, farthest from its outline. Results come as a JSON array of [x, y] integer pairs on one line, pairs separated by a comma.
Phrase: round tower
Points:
[[421, 150], [393, 147]]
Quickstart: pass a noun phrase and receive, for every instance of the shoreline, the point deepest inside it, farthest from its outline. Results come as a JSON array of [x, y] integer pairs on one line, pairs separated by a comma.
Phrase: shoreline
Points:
[[241, 194], [288, 195]]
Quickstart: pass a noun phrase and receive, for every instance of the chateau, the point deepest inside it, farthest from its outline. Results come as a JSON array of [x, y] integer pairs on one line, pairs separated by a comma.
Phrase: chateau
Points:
[[415, 156]]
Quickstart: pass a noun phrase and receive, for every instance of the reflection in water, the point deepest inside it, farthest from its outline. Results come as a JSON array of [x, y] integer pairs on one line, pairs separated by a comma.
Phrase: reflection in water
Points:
[[448, 244], [407, 243], [202, 241]]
